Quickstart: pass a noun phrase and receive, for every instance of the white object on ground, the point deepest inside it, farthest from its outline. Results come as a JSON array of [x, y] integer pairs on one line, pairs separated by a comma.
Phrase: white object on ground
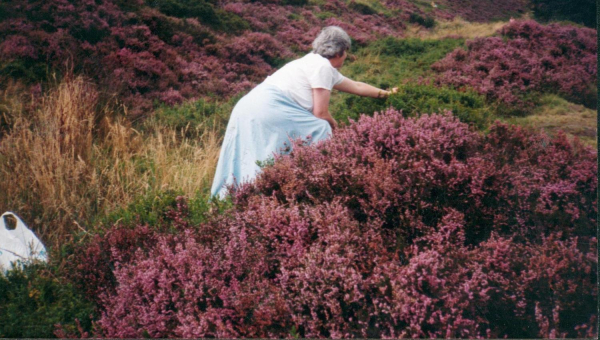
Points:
[[20, 245]]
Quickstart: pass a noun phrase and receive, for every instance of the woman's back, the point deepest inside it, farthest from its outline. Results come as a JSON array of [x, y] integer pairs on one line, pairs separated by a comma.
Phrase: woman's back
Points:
[[297, 78]]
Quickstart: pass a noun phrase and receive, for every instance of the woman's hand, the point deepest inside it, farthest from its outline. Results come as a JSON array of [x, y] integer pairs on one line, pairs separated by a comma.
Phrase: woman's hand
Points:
[[333, 123], [363, 89], [384, 93]]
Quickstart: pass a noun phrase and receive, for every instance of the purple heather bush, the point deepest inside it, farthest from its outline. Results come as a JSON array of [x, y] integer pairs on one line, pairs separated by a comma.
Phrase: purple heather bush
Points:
[[163, 51], [527, 57], [91, 263], [396, 227], [471, 10]]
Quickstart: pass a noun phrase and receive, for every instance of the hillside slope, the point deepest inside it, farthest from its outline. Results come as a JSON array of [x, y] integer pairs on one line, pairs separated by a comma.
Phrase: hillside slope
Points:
[[170, 50]]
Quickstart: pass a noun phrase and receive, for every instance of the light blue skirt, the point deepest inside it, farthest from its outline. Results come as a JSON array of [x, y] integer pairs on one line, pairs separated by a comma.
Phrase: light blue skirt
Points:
[[262, 124]]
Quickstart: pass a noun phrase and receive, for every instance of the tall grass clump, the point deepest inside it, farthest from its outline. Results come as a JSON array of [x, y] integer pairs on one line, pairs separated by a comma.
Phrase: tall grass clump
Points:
[[45, 157], [70, 161], [397, 227]]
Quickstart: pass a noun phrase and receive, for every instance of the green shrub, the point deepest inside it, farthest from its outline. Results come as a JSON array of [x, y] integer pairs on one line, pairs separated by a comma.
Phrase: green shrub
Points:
[[295, 2], [361, 8], [579, 11], [153, 208], [149, 209], [200, 9], [427, 21], [436, 49], [165, 27], [33, 301], [230, 22], [25, 70], [324, 15], [204, 11], [469, 107]]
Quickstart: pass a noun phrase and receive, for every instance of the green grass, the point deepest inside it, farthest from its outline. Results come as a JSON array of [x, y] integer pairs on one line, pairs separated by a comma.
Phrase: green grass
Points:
[[377, 7], [188, 116], [555, 113], [392, 62], [414, 100]]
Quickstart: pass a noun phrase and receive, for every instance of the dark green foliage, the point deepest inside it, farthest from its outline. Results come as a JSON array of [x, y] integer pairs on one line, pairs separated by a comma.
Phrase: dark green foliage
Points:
[[147, 210], [434, 49], [92, 33], [361, 8], [200, 9], [579, 11], [153, 209], [403, 61], [295, 2], [4, 11], [165, 28], [532, 98], [230, 22], [33, 301], [204, 11], [426, 21], [469, 106], [129, 5], [27, 70]]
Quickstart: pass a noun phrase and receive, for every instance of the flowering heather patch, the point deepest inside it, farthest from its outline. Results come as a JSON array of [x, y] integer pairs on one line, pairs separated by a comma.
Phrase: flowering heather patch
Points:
[[397, 227], [169, 50], [527, 57], [471, 10], [91, 263]]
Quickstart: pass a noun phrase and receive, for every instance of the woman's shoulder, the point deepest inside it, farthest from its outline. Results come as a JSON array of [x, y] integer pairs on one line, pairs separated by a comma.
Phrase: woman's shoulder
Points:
[[314, 58]]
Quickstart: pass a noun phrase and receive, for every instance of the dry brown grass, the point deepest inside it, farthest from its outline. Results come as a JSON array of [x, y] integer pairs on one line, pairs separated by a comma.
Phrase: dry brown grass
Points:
[[456, 28], [68, 161]]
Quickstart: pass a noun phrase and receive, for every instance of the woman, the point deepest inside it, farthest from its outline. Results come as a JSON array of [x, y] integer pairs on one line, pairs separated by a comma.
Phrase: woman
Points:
[[292, 103]]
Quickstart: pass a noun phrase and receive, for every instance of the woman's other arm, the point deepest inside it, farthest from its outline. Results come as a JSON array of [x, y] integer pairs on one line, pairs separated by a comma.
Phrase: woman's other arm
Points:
[[321, 106], [363, 89]]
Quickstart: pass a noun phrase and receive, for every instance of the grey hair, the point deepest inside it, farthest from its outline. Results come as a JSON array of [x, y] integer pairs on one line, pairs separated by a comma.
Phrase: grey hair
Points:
[[331, 42]]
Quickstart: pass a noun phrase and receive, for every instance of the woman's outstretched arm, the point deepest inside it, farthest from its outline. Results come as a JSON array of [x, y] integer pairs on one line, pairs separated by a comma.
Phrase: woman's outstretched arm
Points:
[[363, 89]]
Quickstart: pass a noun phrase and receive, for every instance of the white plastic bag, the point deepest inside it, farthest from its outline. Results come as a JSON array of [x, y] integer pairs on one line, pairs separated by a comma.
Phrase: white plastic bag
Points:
[[19, 245]]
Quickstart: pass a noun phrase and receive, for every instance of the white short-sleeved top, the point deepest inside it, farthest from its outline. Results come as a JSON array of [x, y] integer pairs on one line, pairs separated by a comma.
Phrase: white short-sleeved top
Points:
[[297, 78]]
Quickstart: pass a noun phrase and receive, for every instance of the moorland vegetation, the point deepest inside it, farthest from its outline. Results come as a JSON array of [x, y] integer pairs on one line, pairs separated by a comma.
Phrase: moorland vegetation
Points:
[[463, 206]]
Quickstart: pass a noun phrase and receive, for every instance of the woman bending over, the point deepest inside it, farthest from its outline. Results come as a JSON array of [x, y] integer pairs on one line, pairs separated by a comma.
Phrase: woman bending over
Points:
[[292, 103]]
